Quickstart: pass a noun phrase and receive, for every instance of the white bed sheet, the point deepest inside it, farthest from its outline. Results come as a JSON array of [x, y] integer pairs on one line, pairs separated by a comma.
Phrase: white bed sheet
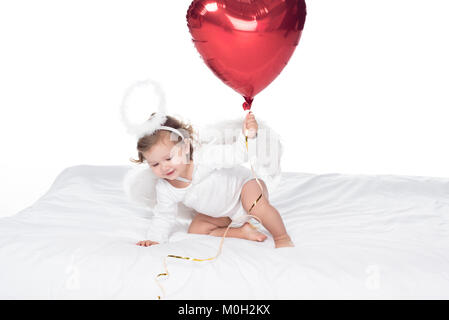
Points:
[[356, 236]]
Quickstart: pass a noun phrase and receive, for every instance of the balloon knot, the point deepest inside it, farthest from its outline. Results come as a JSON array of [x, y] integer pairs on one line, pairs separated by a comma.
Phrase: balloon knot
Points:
[[247, 104]]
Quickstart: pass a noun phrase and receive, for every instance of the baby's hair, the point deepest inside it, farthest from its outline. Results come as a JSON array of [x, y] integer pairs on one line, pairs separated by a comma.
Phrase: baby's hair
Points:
[[146, 142]]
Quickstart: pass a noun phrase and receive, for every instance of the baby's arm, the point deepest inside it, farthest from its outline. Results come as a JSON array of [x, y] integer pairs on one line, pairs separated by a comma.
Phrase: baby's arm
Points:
[[164, 218], [229, 155]]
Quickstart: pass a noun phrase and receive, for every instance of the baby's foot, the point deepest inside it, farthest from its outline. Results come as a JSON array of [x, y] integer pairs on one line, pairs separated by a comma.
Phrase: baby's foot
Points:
[[250, 233], [283, 241]]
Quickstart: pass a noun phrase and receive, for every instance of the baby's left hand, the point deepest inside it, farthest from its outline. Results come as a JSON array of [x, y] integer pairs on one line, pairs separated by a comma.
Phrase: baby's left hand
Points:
[[250, 125]]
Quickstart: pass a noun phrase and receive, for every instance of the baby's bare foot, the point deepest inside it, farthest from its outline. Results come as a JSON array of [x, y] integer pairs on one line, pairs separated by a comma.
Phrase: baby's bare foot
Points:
[[250, 233], [283, 241]]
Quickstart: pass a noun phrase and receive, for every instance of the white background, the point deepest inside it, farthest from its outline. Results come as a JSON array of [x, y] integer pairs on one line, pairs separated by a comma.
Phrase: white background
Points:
[[366, 91]]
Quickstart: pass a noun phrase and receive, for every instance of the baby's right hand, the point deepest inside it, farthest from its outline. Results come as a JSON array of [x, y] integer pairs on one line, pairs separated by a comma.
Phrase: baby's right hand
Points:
[[146, 243], [250, 126]]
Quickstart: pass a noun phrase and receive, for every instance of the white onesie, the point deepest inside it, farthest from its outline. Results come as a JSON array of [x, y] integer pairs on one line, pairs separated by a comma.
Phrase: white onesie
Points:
[[217, 181]]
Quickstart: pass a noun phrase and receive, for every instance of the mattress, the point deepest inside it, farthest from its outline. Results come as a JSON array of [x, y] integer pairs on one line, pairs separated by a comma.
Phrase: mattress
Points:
[[356, 237]]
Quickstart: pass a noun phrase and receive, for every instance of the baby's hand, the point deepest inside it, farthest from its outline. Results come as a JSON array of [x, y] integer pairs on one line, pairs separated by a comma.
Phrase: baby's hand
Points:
[[146, 243], [250, 125]]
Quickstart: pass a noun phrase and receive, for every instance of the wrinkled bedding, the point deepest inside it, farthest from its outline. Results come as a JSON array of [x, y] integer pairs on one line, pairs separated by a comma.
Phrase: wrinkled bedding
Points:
[[356, 236]]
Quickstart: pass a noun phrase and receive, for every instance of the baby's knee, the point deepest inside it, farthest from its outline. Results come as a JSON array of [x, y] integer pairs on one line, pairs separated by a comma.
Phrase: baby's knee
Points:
[[253, 187], [256, 204]]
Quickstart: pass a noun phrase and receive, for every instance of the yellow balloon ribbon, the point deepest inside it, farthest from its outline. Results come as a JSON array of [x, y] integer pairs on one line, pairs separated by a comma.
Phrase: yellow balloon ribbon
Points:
[[166, 273]]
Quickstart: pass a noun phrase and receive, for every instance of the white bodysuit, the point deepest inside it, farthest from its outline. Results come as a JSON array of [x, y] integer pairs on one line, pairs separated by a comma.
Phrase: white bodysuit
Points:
[[217, 181]]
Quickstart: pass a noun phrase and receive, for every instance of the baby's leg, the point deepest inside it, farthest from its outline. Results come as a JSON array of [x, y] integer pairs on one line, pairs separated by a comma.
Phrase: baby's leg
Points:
[[270, 217], [204, 224]]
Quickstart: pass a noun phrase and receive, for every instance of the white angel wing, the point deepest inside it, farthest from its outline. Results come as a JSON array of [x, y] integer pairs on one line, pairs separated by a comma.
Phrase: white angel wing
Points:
[[139, 185], [264, 153]]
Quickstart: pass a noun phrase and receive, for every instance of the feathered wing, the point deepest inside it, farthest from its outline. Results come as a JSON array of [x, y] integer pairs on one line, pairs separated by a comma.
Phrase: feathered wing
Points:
[[264, 152], [139, 185]]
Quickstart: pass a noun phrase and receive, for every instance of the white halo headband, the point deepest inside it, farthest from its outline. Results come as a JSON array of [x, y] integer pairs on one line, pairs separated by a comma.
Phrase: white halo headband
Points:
[[172, 130], [141, 95]]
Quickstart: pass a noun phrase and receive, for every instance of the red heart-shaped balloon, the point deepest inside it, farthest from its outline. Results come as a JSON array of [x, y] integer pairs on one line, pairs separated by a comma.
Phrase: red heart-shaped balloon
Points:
[[246, 43]]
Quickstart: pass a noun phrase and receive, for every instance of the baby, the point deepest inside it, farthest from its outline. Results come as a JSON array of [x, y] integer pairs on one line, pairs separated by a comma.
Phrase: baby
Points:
[[208, 180]]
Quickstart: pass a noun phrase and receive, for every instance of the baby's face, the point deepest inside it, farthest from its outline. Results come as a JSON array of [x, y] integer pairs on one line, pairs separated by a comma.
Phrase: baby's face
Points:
[[168, 160]]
